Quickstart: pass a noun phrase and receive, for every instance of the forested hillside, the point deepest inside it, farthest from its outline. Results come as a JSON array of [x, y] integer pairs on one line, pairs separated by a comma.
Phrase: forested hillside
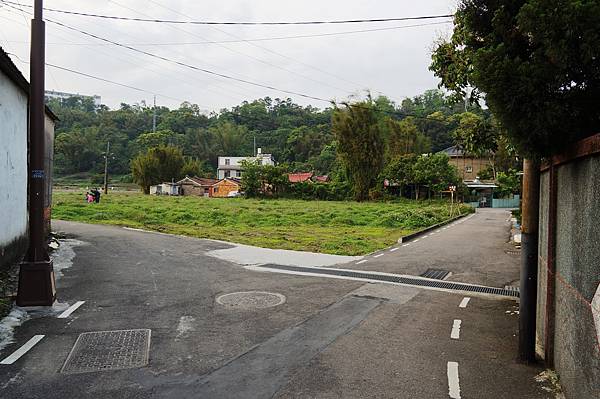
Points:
[[297, 136]]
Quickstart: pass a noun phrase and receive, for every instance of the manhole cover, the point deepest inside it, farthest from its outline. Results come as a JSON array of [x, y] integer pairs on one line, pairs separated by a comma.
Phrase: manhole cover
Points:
[[251, 300], [108, 350]]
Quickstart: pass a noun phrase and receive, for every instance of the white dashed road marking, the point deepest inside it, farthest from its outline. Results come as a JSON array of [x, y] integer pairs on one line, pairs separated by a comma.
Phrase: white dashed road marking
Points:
[[22, 350], [394, 249], [464, 302], [377, 256], [453, 383], [70, 310], [455, 334], [406, 245], [361, 261]]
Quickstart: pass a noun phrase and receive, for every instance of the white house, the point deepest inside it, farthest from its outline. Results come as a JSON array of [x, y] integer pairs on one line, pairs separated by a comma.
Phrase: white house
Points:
[[231, 166], [165, 189], [14, 94]]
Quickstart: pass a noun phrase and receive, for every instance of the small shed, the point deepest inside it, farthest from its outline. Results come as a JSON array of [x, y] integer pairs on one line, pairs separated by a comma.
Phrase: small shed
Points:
[[199, 186], [300, 177], [165, 189], [227, 187]]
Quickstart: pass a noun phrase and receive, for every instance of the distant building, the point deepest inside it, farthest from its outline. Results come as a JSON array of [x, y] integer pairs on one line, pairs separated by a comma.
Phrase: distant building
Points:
[[199, 186], [14, 158], [228, 187], [165, 189], [64, 96], [307, 176], [230, 167], [468, 166]]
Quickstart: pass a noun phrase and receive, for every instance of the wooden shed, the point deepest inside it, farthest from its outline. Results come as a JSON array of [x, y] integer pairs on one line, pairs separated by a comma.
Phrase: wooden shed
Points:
[[227, 187], [199, 186]]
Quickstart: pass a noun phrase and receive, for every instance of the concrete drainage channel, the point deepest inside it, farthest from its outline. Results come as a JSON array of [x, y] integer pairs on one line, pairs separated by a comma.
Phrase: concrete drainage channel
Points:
[[389, 278]]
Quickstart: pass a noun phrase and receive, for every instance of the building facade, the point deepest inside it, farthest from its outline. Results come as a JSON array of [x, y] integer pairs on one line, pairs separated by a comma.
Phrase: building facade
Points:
[[14, 132], [468, 166], [231, 167]]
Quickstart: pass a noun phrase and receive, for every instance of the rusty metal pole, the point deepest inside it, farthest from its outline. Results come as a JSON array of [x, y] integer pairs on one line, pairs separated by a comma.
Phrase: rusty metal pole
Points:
[[529, 259], [36, 274]]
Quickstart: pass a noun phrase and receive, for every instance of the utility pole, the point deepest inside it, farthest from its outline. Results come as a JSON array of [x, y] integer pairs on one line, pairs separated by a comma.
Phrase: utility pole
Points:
[[36, 274], [529, 259], [106, 167], [154, 117]]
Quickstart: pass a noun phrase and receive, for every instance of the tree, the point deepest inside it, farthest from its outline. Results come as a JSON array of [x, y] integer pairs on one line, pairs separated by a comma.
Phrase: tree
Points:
[[535, 63], [360, 145], [159, 164], [405, 138], [435, 172], [400, 171]]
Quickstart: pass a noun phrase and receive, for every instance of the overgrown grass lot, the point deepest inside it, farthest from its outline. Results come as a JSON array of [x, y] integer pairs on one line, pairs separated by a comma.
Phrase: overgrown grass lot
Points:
[[344, 228]]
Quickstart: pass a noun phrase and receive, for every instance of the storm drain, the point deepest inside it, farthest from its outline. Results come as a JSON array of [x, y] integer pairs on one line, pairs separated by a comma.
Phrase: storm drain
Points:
[[513, 252], [390, 278], [436, 274], [108, 350]]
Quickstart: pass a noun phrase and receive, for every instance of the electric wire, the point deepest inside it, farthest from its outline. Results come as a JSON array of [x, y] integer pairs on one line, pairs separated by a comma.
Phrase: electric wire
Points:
[[191, 22]]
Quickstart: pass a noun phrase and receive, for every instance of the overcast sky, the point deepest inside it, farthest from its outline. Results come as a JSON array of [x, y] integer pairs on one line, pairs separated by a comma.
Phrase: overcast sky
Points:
[[393, 62]]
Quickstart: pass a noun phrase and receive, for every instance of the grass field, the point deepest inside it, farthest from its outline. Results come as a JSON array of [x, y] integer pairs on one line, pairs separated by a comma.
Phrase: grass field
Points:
[[344, 228]]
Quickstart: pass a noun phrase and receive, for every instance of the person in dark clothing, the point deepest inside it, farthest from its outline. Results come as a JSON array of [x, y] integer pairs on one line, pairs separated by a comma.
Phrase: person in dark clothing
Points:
[[96, 194]]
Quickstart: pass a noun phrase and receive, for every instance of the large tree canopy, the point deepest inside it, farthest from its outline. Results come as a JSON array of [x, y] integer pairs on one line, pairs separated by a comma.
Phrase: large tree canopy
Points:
[[535, 62]]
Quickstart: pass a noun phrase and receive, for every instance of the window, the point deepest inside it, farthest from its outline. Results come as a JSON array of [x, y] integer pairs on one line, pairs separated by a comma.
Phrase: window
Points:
[[469, 169], [215, 189], [227, 161], [238, 173], [227, 173]]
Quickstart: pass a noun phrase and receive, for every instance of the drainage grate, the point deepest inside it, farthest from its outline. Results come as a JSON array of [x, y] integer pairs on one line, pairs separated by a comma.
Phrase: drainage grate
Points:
[[108, 350], [414, 281], [436, 274], [513, 252]]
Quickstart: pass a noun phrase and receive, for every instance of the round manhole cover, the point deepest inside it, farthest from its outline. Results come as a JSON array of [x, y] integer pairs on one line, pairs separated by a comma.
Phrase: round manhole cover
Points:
[[251, 300]]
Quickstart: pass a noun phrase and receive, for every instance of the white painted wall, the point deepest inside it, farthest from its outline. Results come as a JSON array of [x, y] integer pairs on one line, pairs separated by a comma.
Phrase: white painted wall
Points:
[[13, 161]]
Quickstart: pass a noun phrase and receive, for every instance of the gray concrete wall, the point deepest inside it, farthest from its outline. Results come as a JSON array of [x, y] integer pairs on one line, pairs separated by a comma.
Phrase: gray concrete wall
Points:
[[576, 345]]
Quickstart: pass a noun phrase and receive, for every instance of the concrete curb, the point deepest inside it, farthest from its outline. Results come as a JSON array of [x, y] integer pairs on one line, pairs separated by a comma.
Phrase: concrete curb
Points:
[[419, 233]]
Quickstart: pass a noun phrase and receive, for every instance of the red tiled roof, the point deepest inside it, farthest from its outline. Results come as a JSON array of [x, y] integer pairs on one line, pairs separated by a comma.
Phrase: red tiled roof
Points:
[[299, 177], [322, 179]]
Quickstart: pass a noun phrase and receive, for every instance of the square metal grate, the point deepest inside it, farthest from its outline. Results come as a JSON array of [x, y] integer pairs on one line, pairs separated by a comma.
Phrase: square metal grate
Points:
[[108, 350], [436, 274]]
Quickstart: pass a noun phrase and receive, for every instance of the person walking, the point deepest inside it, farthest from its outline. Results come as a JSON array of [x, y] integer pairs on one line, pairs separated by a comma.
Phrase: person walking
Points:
[[96, 193]]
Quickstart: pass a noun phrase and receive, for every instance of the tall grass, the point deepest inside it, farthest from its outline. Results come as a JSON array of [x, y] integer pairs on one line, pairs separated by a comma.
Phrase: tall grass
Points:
[[346, 228]]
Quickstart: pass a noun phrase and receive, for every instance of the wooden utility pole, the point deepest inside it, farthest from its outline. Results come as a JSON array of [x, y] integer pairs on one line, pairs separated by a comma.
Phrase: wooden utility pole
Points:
[[529, 259], [36, 274], [106, 167]]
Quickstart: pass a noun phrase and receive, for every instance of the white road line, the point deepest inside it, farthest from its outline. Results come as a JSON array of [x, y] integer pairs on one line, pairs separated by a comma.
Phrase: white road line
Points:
[[394, 249], [464, 302], [71, 309], [426, 236], [455, 334], [453, 383], [22, 350], [377, 256], [417, 240], [361, 261], [406, 245]]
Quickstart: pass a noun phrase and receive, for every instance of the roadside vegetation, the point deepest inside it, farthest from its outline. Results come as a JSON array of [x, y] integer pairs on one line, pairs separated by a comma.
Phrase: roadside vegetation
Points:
[[335, 227]]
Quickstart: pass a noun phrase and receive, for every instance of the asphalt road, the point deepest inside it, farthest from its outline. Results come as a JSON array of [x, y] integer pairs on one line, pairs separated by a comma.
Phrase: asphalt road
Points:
[[329, 339]]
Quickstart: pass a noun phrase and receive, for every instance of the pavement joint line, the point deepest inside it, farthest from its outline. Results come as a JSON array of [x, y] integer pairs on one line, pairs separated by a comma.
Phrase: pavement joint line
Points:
[[377, 256], [22, 350], [453, 381], [361, 261], [394, 249], [464, 302], [455, 333], [70, 310]]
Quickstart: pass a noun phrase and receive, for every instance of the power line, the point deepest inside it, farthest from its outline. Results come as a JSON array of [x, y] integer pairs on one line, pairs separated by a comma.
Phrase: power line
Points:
[[168, 21], [260, 39], [266, 86]]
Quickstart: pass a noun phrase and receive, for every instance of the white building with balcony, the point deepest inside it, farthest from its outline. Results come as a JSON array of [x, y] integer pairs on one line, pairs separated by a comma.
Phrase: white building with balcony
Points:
[[232, 166]]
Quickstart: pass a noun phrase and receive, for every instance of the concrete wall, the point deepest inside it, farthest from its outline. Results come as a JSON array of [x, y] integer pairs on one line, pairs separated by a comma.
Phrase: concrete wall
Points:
[[576, 343], [13, 171]]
